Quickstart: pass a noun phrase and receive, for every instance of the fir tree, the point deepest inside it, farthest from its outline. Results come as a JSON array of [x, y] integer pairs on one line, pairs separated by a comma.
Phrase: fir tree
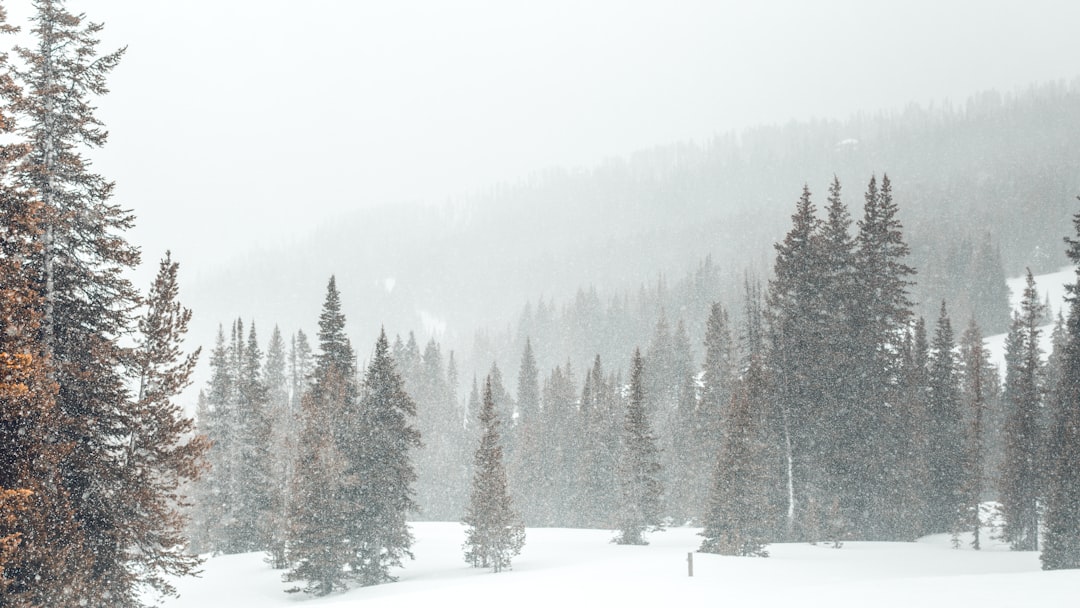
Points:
[[1061, 546], [639, 466], [1020, 491], [323, 507], [494, 534]]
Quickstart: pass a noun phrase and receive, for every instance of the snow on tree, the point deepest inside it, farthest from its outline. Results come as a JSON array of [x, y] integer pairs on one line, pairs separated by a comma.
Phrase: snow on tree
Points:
[[639, 466], [494, 533]]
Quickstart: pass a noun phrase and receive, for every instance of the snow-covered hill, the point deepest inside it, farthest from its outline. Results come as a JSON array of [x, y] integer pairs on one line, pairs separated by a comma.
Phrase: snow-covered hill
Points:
[[568, 568]]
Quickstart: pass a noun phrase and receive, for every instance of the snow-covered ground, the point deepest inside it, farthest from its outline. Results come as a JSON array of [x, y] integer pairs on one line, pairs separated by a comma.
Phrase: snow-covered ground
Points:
[[565, 568]]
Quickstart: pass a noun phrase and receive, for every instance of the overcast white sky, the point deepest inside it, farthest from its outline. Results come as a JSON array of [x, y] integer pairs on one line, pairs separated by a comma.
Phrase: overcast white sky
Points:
[[240, 123]]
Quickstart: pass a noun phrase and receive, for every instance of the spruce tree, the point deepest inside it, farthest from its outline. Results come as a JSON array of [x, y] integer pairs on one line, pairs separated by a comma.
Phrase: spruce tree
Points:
[[975, 372], [323, 508], [253, 503], [1061, 546], [494, 534], [1020, 491], [282, 443], [741, 516], [794, 313], [639, 466], [380, 473], [946, 429]]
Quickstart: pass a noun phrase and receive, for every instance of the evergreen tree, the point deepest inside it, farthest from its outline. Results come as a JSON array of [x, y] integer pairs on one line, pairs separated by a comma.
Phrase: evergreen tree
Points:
[[380, 471], [494, 534], [639, 466], [741, 517], [87, 305], [527, 457], [40, 540], [879, 316], [946, 429], [599, 408], [253, 506], [1020, 491], [282, 443], [794, 313], [323, 507], [160, 455], [317, 549], [975, 372], [300, 369], [1061, 546]]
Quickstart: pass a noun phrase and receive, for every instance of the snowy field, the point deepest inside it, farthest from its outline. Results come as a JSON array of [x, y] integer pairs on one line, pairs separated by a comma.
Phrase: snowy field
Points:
[[565, 568]]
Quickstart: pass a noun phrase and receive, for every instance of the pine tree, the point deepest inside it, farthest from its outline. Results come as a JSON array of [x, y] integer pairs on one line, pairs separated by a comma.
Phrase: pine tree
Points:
[[741, 517], [40, 540], [380, 471], [975, 372], [880, 313], [794, 313], [639, 466], [160, 455], [87, 303], [600, 407], [946, 430], [282, 443], [494, 534], [323, 507], [528, 454], [1061, 546], [253, 503], [1020, 491]]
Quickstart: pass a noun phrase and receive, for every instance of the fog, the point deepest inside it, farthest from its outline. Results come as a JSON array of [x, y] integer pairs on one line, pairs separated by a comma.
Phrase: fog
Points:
[[246, 123]]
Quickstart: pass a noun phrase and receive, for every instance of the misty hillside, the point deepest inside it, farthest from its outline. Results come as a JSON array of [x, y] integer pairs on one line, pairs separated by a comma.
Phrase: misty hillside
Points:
[[998, 172]]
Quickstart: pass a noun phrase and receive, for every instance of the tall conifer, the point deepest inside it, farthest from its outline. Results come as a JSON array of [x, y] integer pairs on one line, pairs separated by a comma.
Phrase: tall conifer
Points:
[[494, 533]]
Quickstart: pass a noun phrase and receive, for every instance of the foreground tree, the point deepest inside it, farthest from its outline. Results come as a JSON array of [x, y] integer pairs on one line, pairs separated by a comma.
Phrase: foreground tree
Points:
[[380, 474], [495, 533], [320, 510], [639, 467], [161, 455], [1061, 547], [88, 303], [40, 541]]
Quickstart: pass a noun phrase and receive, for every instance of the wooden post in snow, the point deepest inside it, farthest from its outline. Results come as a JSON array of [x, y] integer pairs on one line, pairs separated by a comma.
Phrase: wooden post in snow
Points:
[[690, 564]]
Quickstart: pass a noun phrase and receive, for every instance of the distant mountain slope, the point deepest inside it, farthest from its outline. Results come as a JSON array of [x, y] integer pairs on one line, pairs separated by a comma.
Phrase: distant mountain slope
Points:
[[1001, 170]]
